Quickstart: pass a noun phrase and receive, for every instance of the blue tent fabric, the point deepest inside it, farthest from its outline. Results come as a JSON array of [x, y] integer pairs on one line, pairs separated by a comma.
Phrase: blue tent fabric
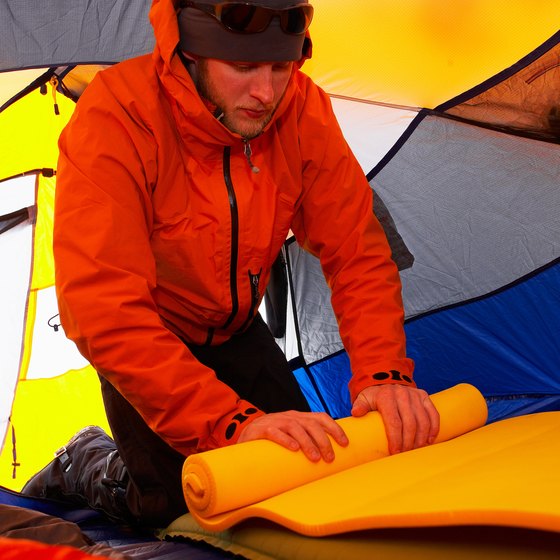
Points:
[[335, 373], [506, 343], [325, 385]]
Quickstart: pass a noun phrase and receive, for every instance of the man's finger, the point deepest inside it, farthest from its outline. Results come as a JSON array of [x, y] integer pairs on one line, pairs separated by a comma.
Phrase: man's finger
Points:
[[393, 424], [433, 415], [313, 433], [409, 426], [284, 439], [423, 424], [298, 430], [360, 407], [315, 442], [335, 431]]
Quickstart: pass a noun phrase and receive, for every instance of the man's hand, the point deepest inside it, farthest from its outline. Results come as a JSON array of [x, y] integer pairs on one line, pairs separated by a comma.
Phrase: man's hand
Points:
[[411, 420], [294, 430]]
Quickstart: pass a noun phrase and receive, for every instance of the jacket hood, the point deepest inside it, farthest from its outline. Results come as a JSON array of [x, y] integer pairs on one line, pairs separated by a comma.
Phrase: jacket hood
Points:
[[177, 81]]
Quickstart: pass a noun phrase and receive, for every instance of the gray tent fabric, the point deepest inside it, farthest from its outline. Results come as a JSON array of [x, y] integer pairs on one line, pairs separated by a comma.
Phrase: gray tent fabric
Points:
[[489, 219], [311, 301], [72, 31], [399, 251]]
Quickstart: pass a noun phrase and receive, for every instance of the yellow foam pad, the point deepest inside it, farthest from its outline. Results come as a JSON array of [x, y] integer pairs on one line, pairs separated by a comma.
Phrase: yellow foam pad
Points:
[[500, 474]]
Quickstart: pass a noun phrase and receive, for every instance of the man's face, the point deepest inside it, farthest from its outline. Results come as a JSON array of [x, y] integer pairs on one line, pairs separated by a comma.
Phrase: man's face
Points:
[[246, 93]]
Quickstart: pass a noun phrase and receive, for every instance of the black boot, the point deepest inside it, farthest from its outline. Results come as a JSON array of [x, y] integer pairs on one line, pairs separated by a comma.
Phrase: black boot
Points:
[[88, 472]]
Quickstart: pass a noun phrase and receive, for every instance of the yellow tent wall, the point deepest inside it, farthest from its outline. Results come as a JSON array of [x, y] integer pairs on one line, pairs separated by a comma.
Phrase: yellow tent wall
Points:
[[420, 53], [50, 405]]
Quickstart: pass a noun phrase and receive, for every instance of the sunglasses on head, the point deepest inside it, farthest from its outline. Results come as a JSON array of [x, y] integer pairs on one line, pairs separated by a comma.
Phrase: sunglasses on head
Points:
[[242, 17]]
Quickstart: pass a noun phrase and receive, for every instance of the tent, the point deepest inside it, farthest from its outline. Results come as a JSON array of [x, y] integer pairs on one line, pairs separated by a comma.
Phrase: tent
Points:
[[453, 114]]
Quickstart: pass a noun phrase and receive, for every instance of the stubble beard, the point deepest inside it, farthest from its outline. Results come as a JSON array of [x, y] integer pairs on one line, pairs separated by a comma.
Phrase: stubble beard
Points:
[[244, 128]]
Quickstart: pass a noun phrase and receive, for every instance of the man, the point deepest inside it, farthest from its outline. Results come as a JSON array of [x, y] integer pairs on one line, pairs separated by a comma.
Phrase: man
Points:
[[180, 176]]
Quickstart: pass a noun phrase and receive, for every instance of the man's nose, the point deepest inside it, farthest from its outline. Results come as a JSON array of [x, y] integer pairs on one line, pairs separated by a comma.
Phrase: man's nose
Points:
[[262, 87]]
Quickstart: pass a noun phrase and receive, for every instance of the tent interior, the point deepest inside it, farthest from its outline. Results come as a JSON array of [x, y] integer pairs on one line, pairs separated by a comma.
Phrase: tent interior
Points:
[[454, 115]]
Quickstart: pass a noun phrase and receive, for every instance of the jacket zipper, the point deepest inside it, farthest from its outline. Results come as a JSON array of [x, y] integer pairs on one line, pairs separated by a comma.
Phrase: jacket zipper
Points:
[[254, 278], [234, 238], [234, 245]]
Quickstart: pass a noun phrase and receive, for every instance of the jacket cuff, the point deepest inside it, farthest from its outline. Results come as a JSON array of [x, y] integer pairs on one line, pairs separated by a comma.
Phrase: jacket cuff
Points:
[[230, 426], [382, 377]]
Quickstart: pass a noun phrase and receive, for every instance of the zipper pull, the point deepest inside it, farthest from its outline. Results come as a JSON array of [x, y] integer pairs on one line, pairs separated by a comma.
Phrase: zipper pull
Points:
[[255, 279], [248, 153]]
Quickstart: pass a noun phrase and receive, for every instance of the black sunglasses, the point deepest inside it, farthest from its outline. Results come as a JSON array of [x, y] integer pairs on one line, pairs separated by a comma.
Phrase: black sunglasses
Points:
[[242, 17]]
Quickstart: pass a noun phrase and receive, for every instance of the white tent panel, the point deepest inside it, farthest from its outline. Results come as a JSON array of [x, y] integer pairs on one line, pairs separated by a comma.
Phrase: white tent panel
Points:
[[16, 250], [14, 82], [53, 354], [16, 194], [371, 129]]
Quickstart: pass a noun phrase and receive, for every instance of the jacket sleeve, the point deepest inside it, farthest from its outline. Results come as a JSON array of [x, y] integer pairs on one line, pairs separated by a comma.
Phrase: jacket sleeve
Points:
[[106, 275], [335, 222]]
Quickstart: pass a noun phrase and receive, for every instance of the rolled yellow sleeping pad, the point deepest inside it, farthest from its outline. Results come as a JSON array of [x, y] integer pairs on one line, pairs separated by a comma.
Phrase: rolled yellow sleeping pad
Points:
[[229, 478]]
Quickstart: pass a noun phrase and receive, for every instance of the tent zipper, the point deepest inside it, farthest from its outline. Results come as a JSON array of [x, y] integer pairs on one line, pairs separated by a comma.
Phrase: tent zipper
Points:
[[54, 84]]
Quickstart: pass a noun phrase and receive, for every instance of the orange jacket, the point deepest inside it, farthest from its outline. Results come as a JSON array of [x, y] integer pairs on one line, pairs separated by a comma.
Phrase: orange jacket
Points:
[[24, 549], [152, 243]]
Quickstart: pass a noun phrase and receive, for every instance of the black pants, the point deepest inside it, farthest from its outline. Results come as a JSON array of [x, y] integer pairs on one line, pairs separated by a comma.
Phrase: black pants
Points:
[[252, 364]]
